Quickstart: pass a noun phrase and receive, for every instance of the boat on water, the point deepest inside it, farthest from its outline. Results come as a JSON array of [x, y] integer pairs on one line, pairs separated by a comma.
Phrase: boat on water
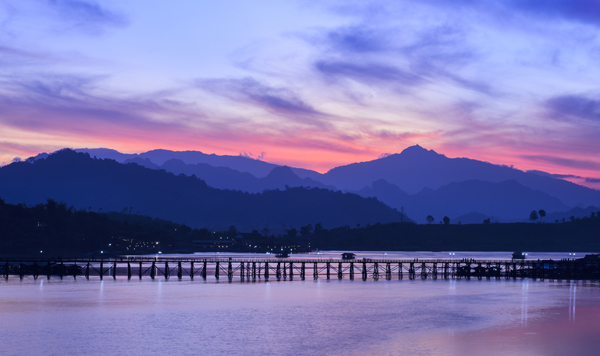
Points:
[[518, 255], [282, 254]]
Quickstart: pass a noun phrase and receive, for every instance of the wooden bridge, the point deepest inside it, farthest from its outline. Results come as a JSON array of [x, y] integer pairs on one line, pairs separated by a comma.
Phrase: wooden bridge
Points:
[[247, 269]]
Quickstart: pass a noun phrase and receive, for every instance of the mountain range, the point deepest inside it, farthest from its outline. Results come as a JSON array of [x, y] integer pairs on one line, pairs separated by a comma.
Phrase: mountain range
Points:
[[420, 181], [106, 185]]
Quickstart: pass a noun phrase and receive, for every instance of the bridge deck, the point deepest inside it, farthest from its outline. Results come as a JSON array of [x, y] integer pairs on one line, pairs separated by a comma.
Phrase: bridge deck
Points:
[[289, 268]]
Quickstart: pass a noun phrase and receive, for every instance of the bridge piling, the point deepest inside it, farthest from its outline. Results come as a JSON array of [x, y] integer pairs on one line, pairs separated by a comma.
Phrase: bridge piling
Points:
[[364, 270], [36, 270], [278, 271], [388, 271], [284, 271], [400, 271], [266, 270]]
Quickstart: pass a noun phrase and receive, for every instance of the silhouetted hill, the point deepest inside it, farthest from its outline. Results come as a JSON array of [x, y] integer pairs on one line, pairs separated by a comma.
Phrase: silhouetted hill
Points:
[[507, 200], [240, 163], [93, 183], [227, 178], [417, 168], [279, 177], [142, 162], [216, 177], [414, 171], [576, 213]]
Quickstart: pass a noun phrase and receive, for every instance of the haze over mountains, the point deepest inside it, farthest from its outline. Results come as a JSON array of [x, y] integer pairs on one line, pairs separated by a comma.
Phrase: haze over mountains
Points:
[[95, 184], [421, 181]]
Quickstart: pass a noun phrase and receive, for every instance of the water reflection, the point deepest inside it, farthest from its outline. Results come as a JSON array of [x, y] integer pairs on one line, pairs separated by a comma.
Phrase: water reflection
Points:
[[572, 300], [524, 301], [298, 318]]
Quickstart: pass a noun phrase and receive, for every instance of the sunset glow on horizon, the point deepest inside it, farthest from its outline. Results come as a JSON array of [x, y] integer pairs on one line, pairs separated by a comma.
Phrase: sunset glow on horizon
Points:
[[306, 84]]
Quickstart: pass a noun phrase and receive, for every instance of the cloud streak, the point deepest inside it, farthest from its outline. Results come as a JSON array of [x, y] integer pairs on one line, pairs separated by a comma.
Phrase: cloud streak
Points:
[[566, 162], [574, 106], [88, 16], [371, 73]]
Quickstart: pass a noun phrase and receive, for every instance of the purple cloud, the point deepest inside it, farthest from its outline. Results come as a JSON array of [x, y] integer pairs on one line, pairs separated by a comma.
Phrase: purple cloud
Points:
[[565, 162], [578, 10], [283, 102], [359, 39], [87, 15], [433, 53], [370, 72], [592, 180], [587, 11], [560, 176], [574, 106], [65, 103], [248, 89]]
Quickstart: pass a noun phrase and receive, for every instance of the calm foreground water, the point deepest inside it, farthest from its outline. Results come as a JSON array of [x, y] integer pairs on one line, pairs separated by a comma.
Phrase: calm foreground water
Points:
[[430, 317]]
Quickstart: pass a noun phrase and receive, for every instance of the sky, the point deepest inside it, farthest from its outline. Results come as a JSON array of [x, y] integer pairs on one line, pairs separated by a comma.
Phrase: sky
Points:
[[311, 84]]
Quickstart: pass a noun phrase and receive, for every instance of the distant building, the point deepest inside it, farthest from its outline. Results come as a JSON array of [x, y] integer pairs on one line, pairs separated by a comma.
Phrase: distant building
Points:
[[213, 244], [253, 239]]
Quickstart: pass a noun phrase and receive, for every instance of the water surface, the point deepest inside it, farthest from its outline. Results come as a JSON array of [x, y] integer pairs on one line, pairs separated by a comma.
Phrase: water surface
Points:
[[421, 317]]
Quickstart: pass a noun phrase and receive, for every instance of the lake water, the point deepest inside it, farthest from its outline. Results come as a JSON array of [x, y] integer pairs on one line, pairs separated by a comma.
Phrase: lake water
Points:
[[183, 317]]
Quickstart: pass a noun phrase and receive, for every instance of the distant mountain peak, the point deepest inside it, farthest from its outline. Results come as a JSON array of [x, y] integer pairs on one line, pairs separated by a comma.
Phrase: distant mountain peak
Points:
[[417, 150], [282, 172]]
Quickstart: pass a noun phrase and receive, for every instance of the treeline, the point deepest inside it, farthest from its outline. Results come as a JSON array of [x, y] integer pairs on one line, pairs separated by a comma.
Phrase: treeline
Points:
[[53, 229], [575, 235]]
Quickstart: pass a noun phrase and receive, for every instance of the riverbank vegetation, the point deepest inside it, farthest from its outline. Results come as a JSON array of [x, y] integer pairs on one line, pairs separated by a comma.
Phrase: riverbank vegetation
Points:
[[54, 229]]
